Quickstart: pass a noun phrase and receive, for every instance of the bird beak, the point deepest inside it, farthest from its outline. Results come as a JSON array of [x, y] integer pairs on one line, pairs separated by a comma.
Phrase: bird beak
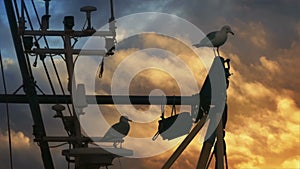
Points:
[[231, 32]]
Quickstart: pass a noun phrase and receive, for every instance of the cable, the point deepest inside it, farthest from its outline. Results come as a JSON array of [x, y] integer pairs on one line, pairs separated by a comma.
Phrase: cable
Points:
[[36, 13], [59, 145], [7, 114]]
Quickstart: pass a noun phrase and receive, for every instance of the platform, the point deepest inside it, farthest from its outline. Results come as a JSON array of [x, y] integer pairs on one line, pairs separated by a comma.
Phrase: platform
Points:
[[96, 157]]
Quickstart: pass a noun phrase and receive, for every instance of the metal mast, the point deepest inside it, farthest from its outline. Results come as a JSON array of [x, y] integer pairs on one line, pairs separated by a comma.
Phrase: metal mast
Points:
[[29, 87]]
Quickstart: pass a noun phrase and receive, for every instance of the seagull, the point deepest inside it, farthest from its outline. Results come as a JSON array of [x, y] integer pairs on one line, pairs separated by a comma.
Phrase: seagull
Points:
[[215, 39], [118, 131]]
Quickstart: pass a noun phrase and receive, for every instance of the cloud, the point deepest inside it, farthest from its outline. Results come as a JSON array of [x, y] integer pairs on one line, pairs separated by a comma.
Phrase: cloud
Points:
[[263, 118], [269, 65], [291, 163], [19, 140], [7, 62], [22, 151]]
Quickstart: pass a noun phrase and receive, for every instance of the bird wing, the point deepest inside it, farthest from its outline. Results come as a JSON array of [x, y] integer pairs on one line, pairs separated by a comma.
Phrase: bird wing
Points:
[[211, 35], [207, 41], [219, 39], [116, 132]]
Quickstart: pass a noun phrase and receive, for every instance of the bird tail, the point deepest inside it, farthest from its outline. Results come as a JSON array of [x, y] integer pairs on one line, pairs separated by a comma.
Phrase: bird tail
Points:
[[198, 45]]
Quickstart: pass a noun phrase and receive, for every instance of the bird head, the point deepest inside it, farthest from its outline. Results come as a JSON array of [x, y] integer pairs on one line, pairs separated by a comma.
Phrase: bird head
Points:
[[227, 29], [124, 119]]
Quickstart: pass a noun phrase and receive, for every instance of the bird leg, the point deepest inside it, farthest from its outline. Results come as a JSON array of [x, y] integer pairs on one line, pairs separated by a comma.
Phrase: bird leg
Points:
[[115, 144], [218, 51], [215, 51]]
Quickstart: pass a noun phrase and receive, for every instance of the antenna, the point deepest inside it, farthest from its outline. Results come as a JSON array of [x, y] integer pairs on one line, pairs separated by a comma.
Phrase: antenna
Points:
[[112, 17], [88, 10]]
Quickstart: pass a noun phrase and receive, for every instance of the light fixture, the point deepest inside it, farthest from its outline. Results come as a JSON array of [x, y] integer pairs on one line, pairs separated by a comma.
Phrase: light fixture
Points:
[[68, 22]]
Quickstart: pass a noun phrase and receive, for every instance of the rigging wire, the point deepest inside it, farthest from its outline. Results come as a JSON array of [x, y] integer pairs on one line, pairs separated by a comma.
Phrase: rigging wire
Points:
[[48, 76], [16, 9], [7, 114], [58, 145]]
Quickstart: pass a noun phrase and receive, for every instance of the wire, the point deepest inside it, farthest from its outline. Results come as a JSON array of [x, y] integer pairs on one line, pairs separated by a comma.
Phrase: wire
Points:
[[16, 9], [7, 114], [59, 145], [36, 13], [48, 76]]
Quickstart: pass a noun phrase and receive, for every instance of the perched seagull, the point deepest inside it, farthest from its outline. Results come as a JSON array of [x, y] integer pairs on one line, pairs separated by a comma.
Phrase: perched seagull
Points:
[[215, 39], [118, 131]]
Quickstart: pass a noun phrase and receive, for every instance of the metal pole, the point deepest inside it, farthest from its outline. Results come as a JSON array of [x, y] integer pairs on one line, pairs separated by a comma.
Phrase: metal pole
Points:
[[184, 144], [29, 87], [104, 99], [220, 147], [208, 143], [72, 87], [112, 16], [204, 155]]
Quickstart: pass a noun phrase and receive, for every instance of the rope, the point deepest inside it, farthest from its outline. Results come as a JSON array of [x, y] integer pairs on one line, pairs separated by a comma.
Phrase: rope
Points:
[[7, 114]]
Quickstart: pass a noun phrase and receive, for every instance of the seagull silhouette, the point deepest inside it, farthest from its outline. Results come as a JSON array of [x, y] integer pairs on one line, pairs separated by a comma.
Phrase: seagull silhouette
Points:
[[117, 132], [215, 39]]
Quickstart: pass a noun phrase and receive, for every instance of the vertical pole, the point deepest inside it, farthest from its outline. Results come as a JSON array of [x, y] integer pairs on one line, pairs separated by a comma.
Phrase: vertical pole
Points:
[[112, 15], [220, 147], [71, 82], [69, 60], [72, 85], [29, 88], [47, 7]]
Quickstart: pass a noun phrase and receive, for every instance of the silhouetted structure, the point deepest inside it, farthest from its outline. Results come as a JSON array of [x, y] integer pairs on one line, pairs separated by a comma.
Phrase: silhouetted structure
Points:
[[79, 151]]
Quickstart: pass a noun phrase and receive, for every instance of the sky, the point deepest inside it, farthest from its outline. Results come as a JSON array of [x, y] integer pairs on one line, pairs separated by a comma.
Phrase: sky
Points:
[[263, 127]]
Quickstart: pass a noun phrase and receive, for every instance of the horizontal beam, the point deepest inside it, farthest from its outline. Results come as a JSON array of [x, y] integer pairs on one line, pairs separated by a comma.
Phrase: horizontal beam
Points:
[[71, 139], [104, 99], [83, 33], [73, 51]]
